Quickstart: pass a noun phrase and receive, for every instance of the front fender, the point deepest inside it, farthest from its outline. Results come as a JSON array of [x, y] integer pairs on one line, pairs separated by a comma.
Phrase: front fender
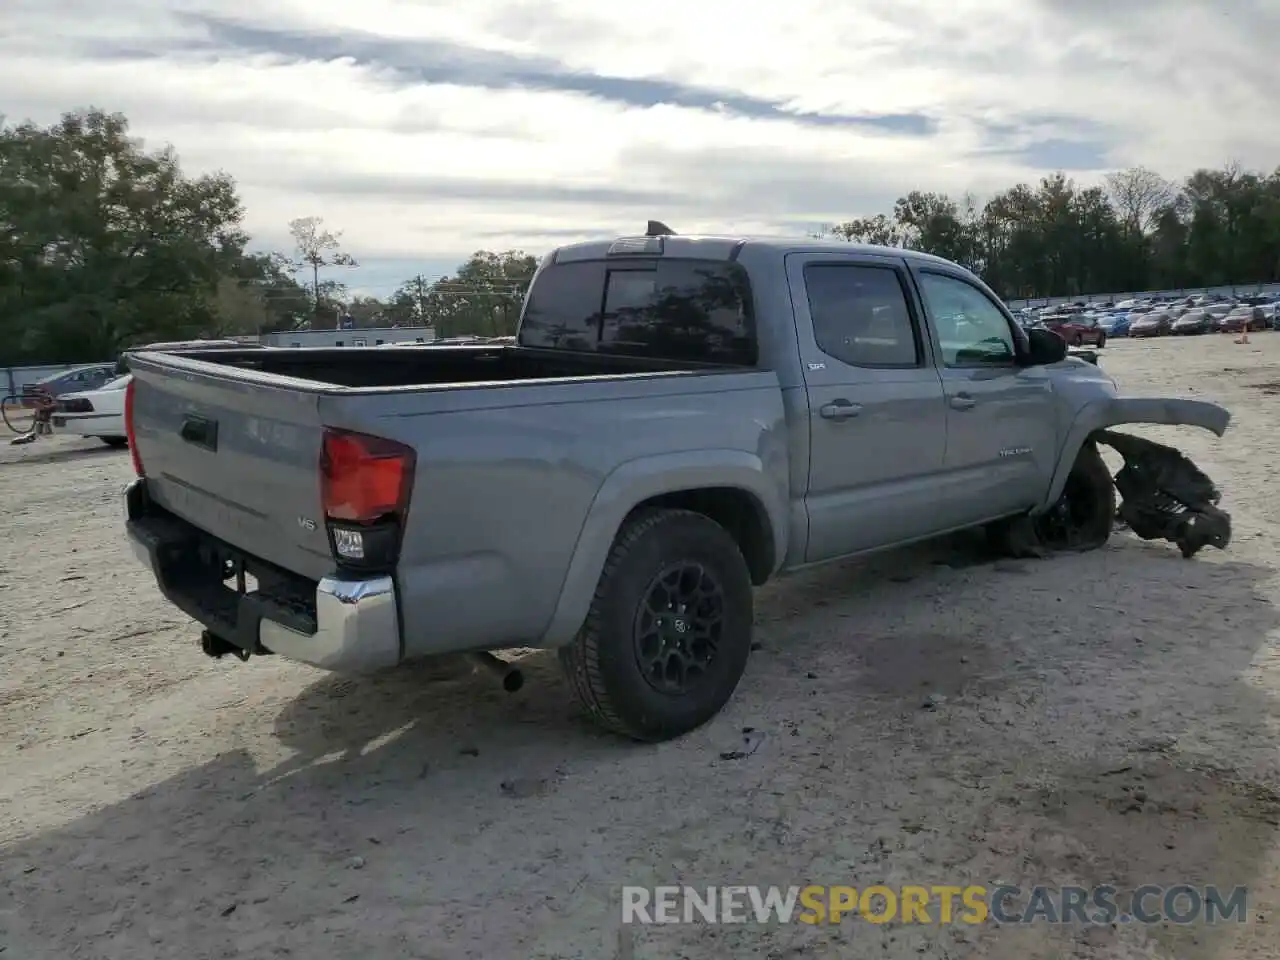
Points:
[[1113, 411], [636, 481]]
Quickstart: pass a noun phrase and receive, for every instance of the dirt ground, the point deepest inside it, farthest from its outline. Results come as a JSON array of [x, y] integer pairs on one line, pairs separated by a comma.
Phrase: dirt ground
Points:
[[1102, 718]]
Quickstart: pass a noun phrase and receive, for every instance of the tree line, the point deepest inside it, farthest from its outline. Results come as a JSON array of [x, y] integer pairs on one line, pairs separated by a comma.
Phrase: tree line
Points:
[[104, 244], [1136, 231]]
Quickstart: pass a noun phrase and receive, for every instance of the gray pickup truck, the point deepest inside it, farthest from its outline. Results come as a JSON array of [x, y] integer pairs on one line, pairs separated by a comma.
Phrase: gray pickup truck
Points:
[[681, 418]]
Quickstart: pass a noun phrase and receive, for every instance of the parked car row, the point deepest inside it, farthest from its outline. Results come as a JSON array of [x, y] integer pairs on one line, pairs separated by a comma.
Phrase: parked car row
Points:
[[1082, 325]]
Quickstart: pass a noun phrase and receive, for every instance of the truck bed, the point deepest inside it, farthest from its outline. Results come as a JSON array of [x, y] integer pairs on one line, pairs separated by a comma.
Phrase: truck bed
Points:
[[432, 366], [230, 441]]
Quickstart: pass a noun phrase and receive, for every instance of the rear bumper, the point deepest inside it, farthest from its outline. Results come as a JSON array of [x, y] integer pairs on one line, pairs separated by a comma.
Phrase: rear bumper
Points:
[[336, 623]]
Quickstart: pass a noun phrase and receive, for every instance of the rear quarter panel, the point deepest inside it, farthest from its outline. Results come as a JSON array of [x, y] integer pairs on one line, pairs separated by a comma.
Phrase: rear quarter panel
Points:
[[507, 476]]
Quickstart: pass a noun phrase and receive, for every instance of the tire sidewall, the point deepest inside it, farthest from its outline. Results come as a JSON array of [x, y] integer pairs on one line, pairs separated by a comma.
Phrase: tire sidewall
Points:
[[1090, 472], [684, 538]]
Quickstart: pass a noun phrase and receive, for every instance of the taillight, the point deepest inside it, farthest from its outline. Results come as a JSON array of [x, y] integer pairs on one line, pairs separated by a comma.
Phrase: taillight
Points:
[[128, 428], [365, 483]]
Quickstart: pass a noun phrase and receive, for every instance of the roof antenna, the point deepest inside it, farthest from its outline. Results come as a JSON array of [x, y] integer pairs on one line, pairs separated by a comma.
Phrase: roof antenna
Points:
[[657, 228]]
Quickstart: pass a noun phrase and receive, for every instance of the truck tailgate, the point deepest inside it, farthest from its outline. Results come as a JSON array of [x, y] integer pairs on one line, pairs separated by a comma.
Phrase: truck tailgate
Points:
[[236, 455]]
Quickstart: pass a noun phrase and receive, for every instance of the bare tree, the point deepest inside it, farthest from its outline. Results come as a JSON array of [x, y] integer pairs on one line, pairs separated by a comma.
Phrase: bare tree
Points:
[[1139, 196], [317, 247]]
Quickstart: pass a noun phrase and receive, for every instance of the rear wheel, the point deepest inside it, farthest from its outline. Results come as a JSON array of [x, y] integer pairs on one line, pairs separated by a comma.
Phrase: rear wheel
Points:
[[668, 633]]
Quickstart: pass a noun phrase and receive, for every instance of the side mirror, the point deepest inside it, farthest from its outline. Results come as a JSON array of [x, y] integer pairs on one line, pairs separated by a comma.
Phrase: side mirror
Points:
[[1044, 347]]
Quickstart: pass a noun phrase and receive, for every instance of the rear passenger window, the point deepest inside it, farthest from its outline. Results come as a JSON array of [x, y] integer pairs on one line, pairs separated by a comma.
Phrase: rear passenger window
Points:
[[681, 310], [695, 310], [861, 316]]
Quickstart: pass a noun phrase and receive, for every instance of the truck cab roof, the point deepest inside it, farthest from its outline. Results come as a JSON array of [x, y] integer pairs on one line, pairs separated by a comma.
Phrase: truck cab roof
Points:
[[727, 247]]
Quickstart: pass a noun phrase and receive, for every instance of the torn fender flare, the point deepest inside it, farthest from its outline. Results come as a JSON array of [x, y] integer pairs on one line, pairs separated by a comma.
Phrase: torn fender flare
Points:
[[1114, 411]]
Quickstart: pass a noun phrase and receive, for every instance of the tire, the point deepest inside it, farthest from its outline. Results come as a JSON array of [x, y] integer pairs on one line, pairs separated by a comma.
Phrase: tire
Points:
[[116, 442], [1087, 504], [1102, 340], [603, 663]]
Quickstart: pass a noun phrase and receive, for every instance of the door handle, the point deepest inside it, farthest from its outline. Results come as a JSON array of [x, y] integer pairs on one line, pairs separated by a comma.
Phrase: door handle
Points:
[[962, 401], [840, 410]]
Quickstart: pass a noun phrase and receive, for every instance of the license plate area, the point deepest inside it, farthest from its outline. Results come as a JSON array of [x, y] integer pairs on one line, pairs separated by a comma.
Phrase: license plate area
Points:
[[228, 591], [236, 575]]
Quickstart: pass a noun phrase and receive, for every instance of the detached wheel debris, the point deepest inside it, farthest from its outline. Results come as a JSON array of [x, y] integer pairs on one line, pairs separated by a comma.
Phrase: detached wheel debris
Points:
[[1164, 496], [1080, 520]]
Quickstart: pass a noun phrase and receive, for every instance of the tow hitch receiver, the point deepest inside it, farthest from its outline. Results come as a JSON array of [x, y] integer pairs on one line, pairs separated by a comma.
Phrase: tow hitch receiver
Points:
[[215, 646], [1164, 496]]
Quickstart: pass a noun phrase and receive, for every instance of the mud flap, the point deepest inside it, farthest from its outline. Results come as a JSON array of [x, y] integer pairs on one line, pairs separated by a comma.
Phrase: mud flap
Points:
[[1164, 496]]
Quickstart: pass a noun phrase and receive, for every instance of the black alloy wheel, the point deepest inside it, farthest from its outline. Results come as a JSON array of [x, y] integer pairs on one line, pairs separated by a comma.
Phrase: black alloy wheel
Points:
[[668, 634], [678, 626]]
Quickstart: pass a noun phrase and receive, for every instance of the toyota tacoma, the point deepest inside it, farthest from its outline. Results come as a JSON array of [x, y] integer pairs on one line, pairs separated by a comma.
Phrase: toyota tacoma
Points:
[[679, 420]]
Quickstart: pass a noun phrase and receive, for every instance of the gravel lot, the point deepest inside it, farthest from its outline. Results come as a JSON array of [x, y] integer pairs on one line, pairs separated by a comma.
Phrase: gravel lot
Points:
[[1103, 718]]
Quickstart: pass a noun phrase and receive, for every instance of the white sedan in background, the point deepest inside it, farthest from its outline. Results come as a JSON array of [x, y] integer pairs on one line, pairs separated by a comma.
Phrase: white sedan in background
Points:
[[94, 413]]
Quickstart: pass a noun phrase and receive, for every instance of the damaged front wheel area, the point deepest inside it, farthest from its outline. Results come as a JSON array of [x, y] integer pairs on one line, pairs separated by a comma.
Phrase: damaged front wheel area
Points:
[[1081, 519], [1164, 496]]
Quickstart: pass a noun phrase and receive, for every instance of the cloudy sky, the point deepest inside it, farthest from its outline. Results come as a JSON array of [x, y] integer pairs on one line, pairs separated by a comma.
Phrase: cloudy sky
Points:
[[425, 129]]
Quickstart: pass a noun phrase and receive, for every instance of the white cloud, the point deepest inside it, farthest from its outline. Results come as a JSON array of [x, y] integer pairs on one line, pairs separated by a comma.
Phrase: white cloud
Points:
[[408, 168]]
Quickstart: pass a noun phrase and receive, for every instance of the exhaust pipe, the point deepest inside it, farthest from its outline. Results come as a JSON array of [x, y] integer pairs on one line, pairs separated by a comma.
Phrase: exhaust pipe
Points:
[[512, 677]]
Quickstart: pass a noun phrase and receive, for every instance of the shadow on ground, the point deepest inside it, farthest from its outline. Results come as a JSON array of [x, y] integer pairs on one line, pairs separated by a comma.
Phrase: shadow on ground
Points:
[[26, 454], [929, 736]]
